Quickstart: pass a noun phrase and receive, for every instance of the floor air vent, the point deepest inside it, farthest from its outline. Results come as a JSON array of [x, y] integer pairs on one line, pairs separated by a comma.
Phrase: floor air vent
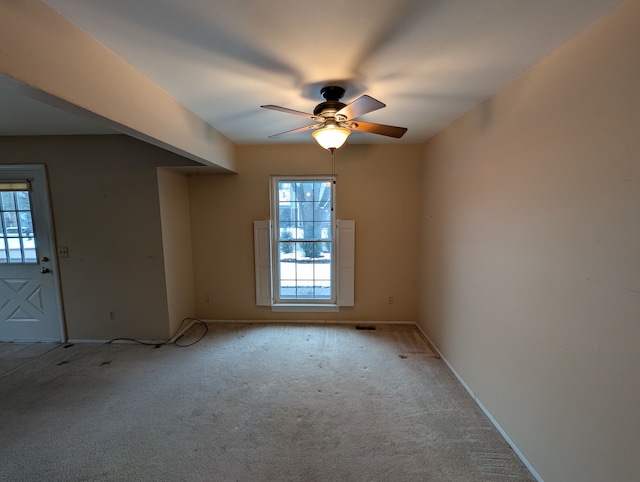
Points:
[[358, 327]]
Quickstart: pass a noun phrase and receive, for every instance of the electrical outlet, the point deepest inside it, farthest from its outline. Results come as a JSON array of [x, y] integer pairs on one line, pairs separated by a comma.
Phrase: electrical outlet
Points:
[[389, 300], [112, 315], [63, 252]]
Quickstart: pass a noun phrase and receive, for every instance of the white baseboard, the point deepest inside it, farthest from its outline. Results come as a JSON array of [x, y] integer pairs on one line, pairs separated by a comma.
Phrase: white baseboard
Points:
[[312, 322], [129, 341], [184, 329], [74, 341], [114, 342], [483, 408]]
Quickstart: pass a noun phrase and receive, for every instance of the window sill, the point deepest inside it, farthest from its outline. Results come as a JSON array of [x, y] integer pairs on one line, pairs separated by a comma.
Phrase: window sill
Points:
[[302, 307]]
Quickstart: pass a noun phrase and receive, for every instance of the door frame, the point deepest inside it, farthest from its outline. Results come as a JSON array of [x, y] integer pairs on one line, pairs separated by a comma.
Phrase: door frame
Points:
[[50, 235]]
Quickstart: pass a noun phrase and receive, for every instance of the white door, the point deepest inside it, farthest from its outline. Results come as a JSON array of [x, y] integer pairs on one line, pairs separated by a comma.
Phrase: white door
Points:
[[29, 295]]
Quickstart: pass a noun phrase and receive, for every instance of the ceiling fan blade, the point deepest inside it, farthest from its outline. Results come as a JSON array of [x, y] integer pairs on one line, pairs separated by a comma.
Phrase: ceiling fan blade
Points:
[[295, 131], [383, 130], [289, 111], [362, 105]]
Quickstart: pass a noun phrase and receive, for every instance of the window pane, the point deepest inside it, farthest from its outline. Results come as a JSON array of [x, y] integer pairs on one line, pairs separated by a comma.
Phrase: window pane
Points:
[[10, 224], [287, 250], [26, 224], [322, 191], [287, 231], [304, 288], [24, 203], [8, 201], [322, 211], [29, 251], [285, 213], [305, 191], [325, 230], [307, 230], [15, 250]]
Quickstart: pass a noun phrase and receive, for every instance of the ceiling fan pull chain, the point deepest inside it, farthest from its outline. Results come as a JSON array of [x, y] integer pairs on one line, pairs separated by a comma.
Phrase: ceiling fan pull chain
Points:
[[333, 172], [333, 165]]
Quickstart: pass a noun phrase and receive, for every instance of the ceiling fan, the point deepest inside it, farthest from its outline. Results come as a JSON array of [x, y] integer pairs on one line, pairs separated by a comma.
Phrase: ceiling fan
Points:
[[336, 120]]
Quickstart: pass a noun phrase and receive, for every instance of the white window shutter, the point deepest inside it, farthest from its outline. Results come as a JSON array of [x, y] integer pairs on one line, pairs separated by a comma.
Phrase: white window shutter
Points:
[[262, 248], [346, 262]]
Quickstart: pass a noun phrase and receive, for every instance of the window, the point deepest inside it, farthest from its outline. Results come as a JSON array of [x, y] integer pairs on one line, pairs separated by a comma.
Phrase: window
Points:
[[304, 218], [17, 244], [304, 256]]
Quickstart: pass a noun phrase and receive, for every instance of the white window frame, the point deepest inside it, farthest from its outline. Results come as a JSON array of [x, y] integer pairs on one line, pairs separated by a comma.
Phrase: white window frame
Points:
[[275, 217], [342, 260]]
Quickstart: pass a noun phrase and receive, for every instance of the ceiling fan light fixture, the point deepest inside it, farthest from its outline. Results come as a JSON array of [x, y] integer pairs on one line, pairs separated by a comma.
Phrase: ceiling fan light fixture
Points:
[[331, 137]]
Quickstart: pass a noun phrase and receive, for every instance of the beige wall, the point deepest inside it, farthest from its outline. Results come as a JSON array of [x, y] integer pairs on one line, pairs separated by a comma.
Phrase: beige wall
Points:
[[377, 187], [104, 196], [176, 244], [531, 264]]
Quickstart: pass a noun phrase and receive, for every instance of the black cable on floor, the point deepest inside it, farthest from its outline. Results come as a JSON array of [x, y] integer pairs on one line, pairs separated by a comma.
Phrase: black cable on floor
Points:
[[169, 342], [204, 333]]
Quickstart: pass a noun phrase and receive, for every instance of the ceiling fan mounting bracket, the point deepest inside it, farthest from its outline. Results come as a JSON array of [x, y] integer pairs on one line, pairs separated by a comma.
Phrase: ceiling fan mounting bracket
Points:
[[332, 92]]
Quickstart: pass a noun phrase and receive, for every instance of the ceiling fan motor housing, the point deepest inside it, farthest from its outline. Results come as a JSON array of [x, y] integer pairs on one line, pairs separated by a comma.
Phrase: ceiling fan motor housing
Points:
[[332, 95]]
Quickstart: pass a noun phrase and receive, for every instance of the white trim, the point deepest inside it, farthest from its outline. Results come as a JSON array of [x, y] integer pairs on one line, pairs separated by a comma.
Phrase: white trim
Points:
[[311, 322], [32, 340], [114, 342], [130, 341], [179, 333], [483, 408], [304, 307], [274, 203], [262, 259], [77, 341], [345, 262]]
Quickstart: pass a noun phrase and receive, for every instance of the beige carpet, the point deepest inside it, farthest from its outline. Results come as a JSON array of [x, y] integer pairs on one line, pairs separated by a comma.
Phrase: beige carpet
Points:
[[249, 403]]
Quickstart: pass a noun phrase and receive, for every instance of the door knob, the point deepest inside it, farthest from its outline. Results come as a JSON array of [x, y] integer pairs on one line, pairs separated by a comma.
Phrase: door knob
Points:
[[45, 270], [45, 259]]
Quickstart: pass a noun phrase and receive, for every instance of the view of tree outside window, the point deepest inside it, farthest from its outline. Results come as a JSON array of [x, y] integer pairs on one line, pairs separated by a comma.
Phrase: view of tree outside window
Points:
[[17, 244], [304, 232]]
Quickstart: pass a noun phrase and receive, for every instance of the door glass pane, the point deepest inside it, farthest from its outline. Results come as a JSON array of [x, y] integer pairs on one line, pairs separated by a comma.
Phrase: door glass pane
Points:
[[17, 242], [23, 200], [3, 250], [8, 201]]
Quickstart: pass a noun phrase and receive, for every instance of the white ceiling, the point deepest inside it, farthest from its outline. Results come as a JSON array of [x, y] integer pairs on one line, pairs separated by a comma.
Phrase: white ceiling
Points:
[[430, 61]]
